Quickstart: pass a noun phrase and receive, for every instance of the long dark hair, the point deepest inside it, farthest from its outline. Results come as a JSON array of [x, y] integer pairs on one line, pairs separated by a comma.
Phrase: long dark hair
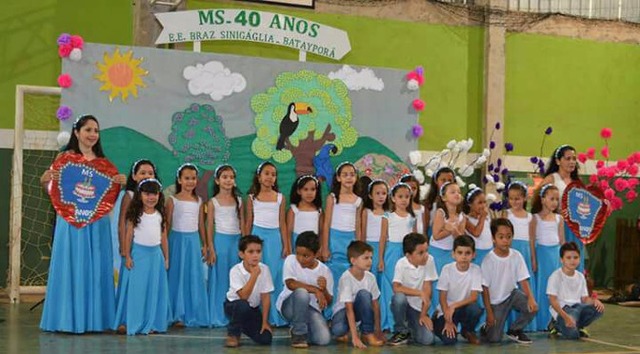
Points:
[[411, 178], [295, 198], [363, 186], [185, 166], [74, 145], [368, 202], [132, 185], [522, 188], [235, 192], [254, 190], [336, 185], [136, 208], [558, 153], [395, 189], [536, 207], [440, 202], [469, 198], [434, 190]]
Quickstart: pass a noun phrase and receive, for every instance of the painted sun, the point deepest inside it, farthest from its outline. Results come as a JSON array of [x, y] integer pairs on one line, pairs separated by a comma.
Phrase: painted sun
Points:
[[121, 74]]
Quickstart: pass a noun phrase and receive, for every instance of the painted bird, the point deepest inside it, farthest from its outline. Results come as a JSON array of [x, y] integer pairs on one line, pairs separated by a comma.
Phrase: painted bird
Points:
[[322, 163], [290, 122]]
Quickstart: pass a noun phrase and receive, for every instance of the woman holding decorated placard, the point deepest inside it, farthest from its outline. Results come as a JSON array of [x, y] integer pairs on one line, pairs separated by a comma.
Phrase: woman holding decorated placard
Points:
[[83, 186]]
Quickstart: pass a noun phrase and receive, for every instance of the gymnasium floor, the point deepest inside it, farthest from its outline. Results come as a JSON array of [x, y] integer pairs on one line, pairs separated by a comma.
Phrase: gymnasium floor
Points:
[[617, 332]]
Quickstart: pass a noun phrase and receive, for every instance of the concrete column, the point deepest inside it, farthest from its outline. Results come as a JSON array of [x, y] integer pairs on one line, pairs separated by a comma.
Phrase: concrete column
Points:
[[145, 26]]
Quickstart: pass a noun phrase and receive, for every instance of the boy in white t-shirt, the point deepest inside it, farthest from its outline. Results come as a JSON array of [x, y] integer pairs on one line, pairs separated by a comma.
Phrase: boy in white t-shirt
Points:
[[308, 291], [250, 284], [459, 285], [357, 300], [411, 299], [571, 307], [503, 269]]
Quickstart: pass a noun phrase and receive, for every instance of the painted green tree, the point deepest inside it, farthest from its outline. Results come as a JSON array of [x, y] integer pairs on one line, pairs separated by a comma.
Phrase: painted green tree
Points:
[[327, 120], [197, 136]]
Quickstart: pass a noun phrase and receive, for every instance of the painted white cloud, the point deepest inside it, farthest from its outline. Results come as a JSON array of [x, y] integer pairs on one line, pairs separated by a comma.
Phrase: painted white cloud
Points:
[[355, 80], [213, 79]]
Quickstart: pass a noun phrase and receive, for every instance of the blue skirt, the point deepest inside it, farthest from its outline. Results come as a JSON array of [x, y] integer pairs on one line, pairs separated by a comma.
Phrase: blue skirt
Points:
[[115, 239], [524, 248], [339, 262], [143, 302], [226, 247], [272, 257], [480, 254], [375, 261], [392, 253], [570, 236], [80, 293], [548, 258], [187, 292], [441, 257]]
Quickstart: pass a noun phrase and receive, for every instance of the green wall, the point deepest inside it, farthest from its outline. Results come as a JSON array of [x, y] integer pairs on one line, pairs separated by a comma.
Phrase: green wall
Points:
[[29, 56]]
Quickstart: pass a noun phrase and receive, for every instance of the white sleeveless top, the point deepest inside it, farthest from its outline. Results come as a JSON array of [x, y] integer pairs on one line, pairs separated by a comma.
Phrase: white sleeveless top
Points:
[[520, 226], [267, 214], [305, 220], [547, 231], [484, 241], [420, 219], [447, 242], [374, 226], [226, 217], [185, 215], [399, 227], [560, 183], [149, 230], [343, 217]]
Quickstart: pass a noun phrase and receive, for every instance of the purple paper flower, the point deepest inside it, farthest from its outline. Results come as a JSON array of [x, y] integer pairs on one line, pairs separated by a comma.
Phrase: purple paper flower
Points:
[[548, 131], [417, 130], [508, 147], [496, 170], [505, 171], [540, 163], [496, 178], [499, 162], [64, 38], [64, 112], [419, 70], [492, 145], [533, 159], [498, 126], [485, 180], [490, 167], [367, 160]]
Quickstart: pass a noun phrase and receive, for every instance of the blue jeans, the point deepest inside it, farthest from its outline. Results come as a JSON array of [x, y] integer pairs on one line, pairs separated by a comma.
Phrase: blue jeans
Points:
[[305, 320], [363, 310], [516, 301], [583, 314], [407, 319], [466, 316], [245, 319]]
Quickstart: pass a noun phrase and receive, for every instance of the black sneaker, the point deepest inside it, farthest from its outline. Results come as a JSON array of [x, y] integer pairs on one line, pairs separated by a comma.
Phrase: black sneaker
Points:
[[519, 336], [299, 341], [399, 339], [553, 330], [583, 333]]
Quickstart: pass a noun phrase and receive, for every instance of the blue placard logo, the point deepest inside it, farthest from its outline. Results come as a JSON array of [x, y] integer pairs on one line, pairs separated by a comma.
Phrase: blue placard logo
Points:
[[583, 209], [83, 187]]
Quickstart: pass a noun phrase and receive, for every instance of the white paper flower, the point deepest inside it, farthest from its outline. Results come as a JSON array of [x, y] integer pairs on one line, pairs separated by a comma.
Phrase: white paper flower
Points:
[[481, 160], [451, 144], [460, 182], [63, 138], [428, 172], [413, 85], [459, 146], [468, 145], [424, 191], [415, 157], [489, 178], [491, 198], [465, 171], [76, 54], [500, 186], [486, 152], [418, 175], [472, 186]]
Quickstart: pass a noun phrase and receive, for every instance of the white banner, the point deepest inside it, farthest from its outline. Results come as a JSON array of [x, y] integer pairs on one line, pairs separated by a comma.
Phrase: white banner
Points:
[[253, 26]]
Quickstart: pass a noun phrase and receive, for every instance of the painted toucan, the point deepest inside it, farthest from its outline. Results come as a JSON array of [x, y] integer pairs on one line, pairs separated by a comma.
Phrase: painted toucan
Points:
[[290, 122]]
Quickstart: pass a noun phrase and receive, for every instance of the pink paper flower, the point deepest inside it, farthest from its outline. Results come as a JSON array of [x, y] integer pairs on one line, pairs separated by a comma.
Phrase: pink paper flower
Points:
[[593, 179], [633, 183], [609, 193], [77, 42], [620, 184], [605, 133], [64, 50], [599, 164], [605, 152], [591, 153], [622, 164], [616, 203], [636, 156], [65, 81], [632, 170], [604, 185], [582, 157], [418, 104]]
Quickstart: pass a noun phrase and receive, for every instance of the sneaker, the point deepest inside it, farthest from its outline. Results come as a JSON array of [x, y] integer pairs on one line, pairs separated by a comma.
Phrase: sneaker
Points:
[[471, 338], [553, 330], [371, 340], [299, 341], [232, 342], [519, 336], [583, 333], [399, 339]]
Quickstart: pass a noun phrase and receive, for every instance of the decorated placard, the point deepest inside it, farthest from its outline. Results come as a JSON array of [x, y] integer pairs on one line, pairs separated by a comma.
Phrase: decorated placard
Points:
[[297, 3], [584, 211], [253, 26], [84, 192]]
